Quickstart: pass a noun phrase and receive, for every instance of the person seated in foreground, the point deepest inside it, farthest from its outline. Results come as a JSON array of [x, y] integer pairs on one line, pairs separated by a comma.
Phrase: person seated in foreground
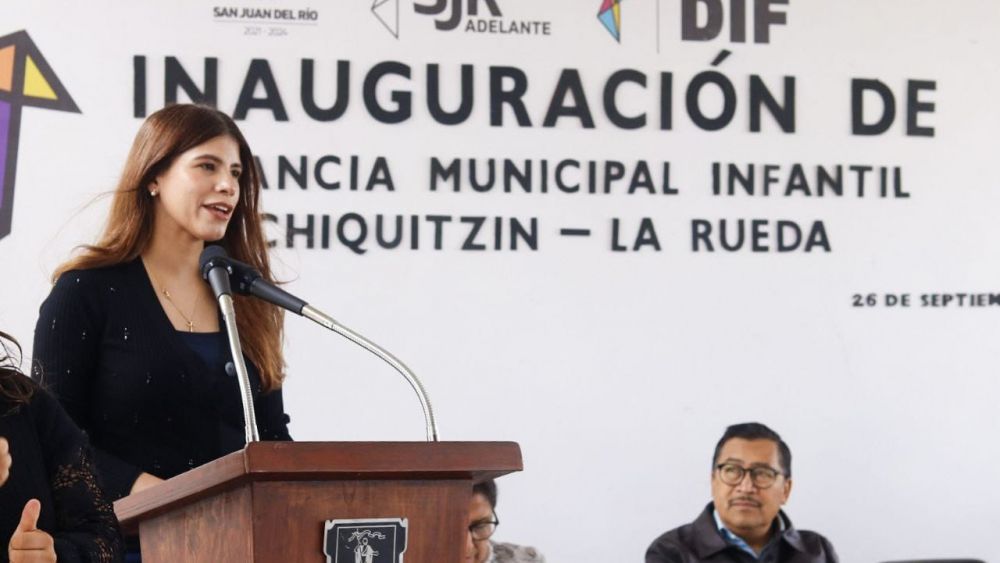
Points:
[[483, 523], [51, 506], [751, 480]]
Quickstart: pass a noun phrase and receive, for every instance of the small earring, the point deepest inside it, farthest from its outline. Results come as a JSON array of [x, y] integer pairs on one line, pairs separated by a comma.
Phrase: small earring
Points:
[[154, 192]]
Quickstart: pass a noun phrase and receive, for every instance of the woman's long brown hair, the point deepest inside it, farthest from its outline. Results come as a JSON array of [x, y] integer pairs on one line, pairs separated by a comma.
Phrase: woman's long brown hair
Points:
[[129, 228], [15, 387]]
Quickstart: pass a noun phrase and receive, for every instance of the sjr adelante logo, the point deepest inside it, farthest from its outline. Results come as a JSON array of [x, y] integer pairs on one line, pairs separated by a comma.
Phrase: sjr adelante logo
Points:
[[482, 17], [449, 21], [25, 80]]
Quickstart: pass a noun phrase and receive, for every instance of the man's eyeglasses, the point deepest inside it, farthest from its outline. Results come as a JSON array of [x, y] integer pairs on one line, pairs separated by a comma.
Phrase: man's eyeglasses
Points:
[[483, 529], [732, 474]]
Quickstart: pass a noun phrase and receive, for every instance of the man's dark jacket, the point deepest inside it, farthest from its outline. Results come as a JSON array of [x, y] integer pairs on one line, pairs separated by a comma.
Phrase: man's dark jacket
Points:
[[701, 541]]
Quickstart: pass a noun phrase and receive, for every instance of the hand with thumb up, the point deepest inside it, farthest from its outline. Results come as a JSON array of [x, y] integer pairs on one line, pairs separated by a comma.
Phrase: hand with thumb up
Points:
[[29, 544]]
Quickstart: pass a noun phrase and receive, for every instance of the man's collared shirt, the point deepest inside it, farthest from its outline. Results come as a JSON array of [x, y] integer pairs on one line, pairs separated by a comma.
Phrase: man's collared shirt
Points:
[[737, 541]]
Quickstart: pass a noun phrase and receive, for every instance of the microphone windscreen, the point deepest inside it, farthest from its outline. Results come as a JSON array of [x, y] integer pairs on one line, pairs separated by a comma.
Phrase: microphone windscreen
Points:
[[211, 253]]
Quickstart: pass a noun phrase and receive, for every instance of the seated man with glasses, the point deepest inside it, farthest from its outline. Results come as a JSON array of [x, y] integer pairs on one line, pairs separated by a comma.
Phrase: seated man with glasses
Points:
[[482, 523], [751, 480]]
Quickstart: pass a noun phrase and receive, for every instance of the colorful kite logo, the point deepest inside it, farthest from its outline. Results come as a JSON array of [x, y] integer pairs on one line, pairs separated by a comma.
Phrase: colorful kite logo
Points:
[[25, 80], [387, 13], [610, 15]]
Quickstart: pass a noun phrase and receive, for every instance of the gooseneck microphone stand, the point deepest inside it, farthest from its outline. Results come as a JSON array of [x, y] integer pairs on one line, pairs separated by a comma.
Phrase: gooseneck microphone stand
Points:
[[214, 269], [215, 263], [248, 281], [321, 318]]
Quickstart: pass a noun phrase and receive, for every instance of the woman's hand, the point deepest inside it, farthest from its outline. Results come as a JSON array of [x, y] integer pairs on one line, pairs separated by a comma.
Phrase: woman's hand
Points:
[[5, 461], [29, 544], [143, 482]]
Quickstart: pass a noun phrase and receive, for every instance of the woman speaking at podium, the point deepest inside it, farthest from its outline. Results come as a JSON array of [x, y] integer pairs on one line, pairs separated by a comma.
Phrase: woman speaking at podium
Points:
[[130, 339]]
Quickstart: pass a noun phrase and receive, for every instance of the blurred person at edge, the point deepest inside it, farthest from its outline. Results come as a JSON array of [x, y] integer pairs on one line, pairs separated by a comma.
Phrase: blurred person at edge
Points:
[[744, 523], [130, 340], [51, 506], [483, 522]]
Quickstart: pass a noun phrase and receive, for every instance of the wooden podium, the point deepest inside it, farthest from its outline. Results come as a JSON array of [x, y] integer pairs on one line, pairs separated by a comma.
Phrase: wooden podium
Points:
[[269, 502]]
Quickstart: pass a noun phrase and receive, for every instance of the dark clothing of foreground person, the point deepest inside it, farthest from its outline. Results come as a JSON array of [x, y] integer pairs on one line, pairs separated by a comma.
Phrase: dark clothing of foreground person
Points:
[[50, 461]]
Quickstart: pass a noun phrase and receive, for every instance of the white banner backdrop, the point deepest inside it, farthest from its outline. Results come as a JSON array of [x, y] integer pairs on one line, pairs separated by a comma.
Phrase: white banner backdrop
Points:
[[615, 358]]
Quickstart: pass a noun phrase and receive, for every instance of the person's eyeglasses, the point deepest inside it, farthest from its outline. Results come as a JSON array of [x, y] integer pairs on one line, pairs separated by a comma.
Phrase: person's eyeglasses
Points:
[[482, 530], [762, 477]]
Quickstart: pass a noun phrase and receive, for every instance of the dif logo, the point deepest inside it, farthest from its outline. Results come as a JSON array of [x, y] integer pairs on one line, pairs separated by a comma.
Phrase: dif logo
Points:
[[453, 15], [705, 20]]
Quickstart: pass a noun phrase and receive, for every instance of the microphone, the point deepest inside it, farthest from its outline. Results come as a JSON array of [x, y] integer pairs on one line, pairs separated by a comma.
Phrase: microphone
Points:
[[248, 281], [215, 270]]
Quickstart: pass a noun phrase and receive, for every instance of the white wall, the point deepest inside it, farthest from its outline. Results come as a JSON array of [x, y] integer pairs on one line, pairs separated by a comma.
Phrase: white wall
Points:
[[615, 371]]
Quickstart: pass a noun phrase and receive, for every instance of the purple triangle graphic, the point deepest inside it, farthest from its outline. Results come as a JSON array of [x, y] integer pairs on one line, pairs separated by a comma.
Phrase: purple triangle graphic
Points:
[[11, 103]]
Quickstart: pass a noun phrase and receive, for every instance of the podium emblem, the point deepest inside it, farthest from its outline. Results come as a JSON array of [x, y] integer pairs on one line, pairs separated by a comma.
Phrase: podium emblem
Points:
[[374, 540]]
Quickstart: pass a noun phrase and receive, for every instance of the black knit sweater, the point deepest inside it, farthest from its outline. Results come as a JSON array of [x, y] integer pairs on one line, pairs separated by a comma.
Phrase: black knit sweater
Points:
[[107, 350], [52, 463]]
